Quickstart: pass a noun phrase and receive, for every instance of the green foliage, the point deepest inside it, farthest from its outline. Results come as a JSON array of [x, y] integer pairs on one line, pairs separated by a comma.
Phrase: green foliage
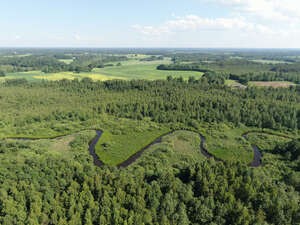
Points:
[[2, 73], [290, 150]]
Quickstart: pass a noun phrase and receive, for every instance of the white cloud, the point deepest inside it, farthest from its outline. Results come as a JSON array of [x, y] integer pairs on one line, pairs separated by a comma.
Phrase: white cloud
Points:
[[274, 10], [77, 37], [193, 22], [246, 23], [150, 30], [196, 23]]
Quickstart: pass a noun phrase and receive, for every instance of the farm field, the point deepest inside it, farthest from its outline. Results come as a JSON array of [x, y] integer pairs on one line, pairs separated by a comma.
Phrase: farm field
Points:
[[269, 61], [131, 69], [144, 70], [274, 84], [66, 61]]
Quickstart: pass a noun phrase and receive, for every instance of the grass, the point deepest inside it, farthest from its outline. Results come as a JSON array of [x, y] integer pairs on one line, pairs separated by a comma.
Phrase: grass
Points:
[[266, 142], [144, 70], [180, 147], [271, 83], [231, 82], [124, 137], [227, 143], [273, 164], [66, 147], [128, 137]]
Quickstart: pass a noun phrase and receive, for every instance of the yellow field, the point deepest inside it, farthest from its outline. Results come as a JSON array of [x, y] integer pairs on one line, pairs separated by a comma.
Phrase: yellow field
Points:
[[72, 76]]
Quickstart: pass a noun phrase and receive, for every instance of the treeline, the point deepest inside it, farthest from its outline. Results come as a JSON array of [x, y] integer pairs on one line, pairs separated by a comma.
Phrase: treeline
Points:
[[266, 76], [28, 63], [152, 58], [169, 101], [286, 68], [182, 67], [235, 66], [51, 64]]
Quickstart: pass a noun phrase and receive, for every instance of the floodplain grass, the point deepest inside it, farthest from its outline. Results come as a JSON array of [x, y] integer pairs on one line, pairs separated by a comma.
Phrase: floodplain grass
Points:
[[125, 139], [266, 142], [225, 142], [176, 148], [65, 147], [274, 164]]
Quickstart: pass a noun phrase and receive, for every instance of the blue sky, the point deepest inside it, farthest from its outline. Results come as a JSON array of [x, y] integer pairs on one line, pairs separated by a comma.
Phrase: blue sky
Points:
[[164, 23]]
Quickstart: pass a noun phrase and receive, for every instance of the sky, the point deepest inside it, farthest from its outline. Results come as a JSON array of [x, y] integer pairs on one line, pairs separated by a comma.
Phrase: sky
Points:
[[151, 23]]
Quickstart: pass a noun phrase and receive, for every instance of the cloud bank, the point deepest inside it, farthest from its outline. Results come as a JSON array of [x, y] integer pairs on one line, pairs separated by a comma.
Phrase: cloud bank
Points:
[[250, 23]]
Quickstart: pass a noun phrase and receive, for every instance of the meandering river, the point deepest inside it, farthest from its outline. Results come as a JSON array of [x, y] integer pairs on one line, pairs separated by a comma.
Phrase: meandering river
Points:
[[97, 162]]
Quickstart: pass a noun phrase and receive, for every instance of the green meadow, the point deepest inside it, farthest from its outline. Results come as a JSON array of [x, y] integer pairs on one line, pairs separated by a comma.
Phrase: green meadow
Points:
[[144, 70], [131, 69], [180, 147]]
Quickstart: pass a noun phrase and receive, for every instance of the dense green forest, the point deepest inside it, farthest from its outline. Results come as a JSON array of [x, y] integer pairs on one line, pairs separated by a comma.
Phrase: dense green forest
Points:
[[40, 187], [51, 178]]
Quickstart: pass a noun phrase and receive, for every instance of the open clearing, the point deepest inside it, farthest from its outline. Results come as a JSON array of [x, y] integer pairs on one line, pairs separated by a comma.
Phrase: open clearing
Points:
[[271, 83]]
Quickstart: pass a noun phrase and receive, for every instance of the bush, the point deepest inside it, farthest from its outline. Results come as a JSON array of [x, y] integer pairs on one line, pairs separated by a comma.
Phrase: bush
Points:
[[2, 73]]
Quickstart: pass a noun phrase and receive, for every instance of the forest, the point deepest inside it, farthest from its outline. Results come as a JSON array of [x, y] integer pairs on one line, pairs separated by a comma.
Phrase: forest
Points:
[[47, 128]]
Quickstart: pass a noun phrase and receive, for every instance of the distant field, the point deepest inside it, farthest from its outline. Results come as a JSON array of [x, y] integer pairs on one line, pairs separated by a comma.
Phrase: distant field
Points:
[[66, 61], [144, 70], [269, 61], [39, 75], [271, 83], [132, 69]]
